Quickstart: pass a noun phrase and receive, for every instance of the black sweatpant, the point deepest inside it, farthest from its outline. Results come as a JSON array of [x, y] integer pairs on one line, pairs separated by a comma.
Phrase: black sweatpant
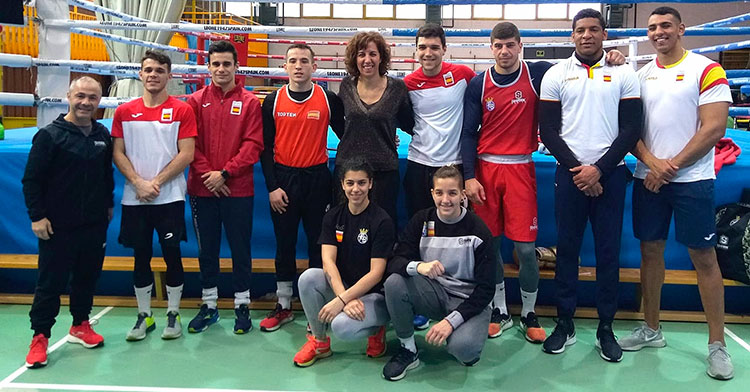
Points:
[[309, 193], [74, 255]]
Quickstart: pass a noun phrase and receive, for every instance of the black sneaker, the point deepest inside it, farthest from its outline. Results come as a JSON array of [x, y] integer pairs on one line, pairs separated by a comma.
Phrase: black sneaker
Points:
[[242, 322], [608, 347], [563, 335], [397, 366]]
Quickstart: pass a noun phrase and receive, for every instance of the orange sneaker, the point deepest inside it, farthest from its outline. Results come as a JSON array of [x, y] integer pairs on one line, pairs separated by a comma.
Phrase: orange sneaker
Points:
[[85, 336], [499, 322], [376, 344], [37, 356], [312, 351], [533, 332]]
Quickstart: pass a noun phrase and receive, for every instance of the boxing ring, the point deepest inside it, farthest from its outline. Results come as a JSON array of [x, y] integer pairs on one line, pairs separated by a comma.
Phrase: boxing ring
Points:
[[14, 224]]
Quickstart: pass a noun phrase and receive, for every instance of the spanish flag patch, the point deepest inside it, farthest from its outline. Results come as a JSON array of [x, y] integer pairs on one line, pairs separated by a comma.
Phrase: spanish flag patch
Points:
[[339, 235], [448, 78], [313, 115], [608, 78], [236, 108], [680, 77], [166, 114]]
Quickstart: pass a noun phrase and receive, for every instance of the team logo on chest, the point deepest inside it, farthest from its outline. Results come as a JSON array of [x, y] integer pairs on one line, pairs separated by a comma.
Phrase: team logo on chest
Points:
[[680, 76], [313, 115], [166, 114], [489, 104], [448, 78], [362, 236], [607, 78], [236, 108], [518, 98]]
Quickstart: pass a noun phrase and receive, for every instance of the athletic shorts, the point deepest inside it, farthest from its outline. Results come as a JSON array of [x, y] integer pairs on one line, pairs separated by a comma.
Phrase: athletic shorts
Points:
[[510, 208], [692, 204], [139, 222]]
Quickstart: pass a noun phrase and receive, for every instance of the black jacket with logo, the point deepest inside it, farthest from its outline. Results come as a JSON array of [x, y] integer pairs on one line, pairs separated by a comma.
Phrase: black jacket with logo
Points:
[[69, 176]]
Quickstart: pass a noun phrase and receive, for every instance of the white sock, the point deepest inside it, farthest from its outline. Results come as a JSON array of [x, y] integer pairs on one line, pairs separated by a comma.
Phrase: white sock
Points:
[[174, 295], [498, 301], [409, 343], [284, 293], [143, 296], [242, 298], [209, 297], [528, 301]]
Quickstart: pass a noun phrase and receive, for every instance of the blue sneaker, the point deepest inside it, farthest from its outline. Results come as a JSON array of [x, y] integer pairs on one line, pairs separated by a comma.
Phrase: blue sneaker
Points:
[[203, 319], [421, 322]]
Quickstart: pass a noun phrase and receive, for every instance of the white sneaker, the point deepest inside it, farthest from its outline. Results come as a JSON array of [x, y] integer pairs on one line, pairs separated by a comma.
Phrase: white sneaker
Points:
[[719, 362], [643, 336]]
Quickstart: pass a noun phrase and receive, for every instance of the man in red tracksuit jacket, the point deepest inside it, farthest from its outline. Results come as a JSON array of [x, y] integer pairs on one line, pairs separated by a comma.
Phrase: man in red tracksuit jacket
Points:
[[220, 182]]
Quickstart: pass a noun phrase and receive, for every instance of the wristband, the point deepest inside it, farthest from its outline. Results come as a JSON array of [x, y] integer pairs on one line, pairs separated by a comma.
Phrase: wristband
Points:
[[341, 299]]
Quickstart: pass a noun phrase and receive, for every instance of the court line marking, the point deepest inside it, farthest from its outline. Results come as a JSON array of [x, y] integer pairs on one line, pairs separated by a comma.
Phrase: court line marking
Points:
[[118, 388], [737, 339], [7, 380]]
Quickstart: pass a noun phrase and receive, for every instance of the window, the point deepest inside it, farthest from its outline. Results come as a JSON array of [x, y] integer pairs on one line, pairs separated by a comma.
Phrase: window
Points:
[[352, 11], [316, 10], [411, 11], [520, 11], [488, 11], [239, 8], [552, 11], [573, 8], [379, 11], [290, 10], [456, 12]]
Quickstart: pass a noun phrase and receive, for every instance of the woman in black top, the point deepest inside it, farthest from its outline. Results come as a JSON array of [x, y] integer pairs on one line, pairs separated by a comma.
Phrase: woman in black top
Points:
[[374, 105], [356, 240]]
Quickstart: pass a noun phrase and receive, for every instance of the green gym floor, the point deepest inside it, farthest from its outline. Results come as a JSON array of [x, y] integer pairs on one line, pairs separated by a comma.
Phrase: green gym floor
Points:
[[221, 361]]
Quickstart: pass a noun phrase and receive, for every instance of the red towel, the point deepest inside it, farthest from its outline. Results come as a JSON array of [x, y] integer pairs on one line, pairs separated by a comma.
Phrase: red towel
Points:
[[726, 153]]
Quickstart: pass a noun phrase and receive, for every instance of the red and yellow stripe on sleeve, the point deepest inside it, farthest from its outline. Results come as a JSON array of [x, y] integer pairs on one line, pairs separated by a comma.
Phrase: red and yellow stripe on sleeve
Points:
[[712, 76]]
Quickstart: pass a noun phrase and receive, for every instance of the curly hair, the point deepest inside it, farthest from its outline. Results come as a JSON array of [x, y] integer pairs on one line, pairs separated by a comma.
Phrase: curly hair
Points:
[[360, 42]]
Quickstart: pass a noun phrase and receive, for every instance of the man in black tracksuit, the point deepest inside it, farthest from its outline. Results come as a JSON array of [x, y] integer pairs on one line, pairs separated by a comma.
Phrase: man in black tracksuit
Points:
[[68, 186]]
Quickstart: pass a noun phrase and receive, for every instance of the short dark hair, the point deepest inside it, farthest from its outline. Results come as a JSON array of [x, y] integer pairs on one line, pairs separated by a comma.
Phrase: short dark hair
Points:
[[303, 47], [359, 42], [355, 164], [159, 57], [222, 47], [667, 11], [449, 171], [505, 30], [589, 13], [431, 30]]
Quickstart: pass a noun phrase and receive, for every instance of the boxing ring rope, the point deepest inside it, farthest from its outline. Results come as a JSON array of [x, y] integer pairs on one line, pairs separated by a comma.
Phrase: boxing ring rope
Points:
[[130, 70], [347, 31]]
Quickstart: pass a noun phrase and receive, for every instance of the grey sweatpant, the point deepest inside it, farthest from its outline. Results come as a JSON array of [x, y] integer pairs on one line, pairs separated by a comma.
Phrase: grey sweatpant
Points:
[[315, 292], [406, 296]]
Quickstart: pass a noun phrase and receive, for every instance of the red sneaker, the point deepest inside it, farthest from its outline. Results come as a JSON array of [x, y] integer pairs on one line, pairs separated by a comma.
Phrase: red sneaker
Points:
[[85, 336], [376, 344], [276, 318], [312, 351], [37, 356]]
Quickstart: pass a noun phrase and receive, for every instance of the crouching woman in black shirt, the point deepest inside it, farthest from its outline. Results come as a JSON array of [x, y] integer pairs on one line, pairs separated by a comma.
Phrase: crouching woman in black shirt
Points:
[[356, 240]]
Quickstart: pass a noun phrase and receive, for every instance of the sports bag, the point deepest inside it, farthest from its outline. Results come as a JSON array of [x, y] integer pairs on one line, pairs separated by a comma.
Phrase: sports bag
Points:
[[733, 239]]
